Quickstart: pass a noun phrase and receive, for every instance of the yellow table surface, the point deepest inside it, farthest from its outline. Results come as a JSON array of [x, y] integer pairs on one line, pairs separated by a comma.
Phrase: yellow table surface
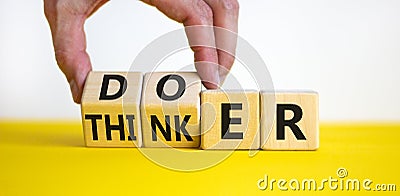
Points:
[[49, 158]]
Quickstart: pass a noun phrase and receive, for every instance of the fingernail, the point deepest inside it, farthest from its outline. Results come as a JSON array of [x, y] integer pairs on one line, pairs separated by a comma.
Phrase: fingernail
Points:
[[74, 90], [222, 76], [209, 74], [213, 81], [217, 79]]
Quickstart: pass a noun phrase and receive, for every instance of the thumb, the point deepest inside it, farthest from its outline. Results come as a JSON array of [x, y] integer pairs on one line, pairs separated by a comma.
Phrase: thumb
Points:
[[66, 19], [70, 51], [75, 66]]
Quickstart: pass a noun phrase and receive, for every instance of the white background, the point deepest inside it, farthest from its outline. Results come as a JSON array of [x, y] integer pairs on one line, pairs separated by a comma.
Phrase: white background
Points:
[[347, 50]]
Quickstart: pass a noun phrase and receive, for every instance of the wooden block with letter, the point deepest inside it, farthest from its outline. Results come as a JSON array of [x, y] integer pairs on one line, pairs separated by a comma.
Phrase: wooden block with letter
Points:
[[230, 119], [294, 126], [110, 109], [170, 109]]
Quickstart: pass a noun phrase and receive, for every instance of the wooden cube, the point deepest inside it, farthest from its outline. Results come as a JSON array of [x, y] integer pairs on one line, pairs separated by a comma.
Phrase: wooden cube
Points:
[[170, 109], [294, 125], [110, 109], [230, 119]]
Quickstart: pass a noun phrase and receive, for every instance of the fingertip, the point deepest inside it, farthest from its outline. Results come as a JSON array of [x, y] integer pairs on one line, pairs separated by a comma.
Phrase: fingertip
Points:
[[210, 85], [208, 73]]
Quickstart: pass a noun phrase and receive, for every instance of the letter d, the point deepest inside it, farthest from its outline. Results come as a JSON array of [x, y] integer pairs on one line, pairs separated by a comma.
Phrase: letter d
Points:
[[104, 87], [263, 180]]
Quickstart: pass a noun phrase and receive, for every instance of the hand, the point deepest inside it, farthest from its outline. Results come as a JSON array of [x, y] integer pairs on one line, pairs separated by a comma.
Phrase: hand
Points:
[[67, 17]]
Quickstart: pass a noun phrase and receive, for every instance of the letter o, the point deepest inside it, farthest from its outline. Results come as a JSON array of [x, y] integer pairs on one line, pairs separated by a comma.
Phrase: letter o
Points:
[[179, 92]]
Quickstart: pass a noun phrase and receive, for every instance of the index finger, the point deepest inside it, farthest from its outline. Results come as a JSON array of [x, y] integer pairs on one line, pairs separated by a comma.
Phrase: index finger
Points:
[[197, 17], [226, 13]]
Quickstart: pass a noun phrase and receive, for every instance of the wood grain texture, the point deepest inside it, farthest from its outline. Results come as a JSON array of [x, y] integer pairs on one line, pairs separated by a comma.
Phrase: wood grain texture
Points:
[[121, 113], [308, 123], [163, 119], [217, 106]]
